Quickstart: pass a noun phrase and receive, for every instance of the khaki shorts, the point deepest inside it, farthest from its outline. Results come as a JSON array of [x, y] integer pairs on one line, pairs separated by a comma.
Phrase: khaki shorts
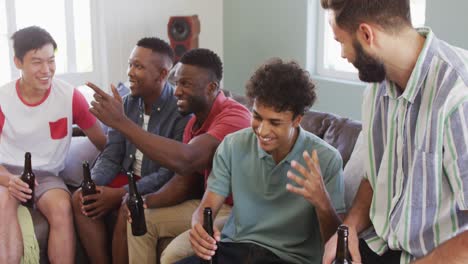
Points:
[[46, 180]]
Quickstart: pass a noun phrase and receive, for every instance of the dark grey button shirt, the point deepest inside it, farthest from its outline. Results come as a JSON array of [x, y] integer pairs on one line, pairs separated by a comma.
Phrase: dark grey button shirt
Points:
[[119, 153]]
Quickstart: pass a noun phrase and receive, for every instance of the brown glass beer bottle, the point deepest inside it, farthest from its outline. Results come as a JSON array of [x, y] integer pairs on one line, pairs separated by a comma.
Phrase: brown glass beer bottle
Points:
[[208, 226], [342, 253], [29, 178], [135, 206], [88, 186]]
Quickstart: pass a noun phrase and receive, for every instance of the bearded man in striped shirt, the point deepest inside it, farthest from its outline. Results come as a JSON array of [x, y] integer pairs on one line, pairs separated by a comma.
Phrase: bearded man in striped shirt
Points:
[[415, 115]]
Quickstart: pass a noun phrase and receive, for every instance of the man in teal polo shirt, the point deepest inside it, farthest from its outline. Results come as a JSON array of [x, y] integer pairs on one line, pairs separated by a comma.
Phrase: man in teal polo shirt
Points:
[[260, 165]]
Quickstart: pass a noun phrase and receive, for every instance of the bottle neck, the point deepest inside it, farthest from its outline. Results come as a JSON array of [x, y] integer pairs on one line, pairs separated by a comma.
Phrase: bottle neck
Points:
[[208, 221], [342, 247], [86, 173], [132, 190], [27, 164]]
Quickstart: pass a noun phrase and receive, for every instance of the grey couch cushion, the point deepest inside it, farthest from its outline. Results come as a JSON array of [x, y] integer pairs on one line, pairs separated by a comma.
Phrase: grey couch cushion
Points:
[[340, 132], [80, 149]]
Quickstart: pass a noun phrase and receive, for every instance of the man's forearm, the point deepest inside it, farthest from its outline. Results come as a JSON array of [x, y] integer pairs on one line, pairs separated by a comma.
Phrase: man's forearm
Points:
[[165, 197], [211, 200], [452, 251], [174, 155], [116, 195], [153, 182], [176, 190], [358, 216], [328, 219]]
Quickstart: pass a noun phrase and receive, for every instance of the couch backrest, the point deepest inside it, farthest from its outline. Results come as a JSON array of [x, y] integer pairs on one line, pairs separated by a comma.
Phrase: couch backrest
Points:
[[337, 131], [340, 132]]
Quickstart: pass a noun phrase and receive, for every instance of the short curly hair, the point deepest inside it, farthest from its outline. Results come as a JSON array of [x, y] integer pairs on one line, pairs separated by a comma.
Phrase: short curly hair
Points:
[[285, 86], [206, 59]]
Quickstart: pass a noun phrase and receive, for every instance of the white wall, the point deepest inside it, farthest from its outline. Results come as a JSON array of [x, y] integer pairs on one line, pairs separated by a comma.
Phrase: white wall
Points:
[[210, 14], [124, 22], [256, 30]]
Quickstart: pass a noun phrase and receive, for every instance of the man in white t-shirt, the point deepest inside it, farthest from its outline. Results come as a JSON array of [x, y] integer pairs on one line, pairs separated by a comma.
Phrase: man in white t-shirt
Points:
[[36, 115]]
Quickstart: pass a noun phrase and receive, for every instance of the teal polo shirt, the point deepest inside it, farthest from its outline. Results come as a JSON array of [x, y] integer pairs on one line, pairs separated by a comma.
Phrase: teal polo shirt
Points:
[[264, 212]]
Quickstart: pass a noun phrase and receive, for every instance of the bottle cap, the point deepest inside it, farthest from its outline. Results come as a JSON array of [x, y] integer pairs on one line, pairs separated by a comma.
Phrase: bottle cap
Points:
[[343, 229]]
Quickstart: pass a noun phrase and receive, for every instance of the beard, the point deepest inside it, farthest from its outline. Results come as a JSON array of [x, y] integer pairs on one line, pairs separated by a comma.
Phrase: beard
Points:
[[370, 69]]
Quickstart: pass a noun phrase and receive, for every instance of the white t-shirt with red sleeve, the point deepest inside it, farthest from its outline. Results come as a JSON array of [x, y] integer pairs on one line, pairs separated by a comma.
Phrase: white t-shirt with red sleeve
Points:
[[44, 128]]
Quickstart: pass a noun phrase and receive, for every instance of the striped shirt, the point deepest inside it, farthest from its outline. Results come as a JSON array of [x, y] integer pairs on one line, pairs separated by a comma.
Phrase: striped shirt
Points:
[[418, 153]]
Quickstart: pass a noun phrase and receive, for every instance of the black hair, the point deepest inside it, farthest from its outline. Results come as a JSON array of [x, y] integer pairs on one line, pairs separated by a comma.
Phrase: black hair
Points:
[[157, 45], [30, 38], [285, 86], [206, 59]]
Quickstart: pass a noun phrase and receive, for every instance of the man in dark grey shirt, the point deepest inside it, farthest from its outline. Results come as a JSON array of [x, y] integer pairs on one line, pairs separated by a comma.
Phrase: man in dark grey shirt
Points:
[[153, 106]]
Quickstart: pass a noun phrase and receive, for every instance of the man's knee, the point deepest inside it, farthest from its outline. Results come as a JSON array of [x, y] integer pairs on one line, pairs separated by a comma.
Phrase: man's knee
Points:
[[60, 212], [178, 249], [121, 225], [76, 199], [172, 256], [122, 212], [7, 202]]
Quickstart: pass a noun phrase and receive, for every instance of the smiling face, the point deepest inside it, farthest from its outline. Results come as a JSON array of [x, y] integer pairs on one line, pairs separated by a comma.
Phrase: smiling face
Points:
[[37, 68], [370, 69], [143, 72], [276, 131], [192, 89]]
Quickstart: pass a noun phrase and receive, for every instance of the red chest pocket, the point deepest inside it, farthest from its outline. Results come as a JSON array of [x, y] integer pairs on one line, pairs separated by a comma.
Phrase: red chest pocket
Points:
[[59, 128]]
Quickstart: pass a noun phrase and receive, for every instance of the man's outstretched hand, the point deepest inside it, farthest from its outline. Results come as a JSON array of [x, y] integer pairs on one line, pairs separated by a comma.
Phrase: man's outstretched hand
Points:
[[108, 109]]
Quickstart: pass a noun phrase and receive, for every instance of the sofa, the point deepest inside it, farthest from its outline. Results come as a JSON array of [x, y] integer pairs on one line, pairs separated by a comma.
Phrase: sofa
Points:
[[339, 132]]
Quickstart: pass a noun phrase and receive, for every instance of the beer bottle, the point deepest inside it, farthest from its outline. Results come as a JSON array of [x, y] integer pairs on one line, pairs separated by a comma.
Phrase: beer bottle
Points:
[[135, 205], [87, 185], [29, 178], [208, 226], [342, 253]]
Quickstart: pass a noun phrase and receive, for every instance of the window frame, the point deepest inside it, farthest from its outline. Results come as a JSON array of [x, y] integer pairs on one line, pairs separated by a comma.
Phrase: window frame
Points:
[[71, 76], [320, 68], [320, 58]]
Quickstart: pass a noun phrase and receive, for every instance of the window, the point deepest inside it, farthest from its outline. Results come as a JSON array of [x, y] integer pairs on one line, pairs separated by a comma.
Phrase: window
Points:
[[329, 61], [5, 69], [69, 23]]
